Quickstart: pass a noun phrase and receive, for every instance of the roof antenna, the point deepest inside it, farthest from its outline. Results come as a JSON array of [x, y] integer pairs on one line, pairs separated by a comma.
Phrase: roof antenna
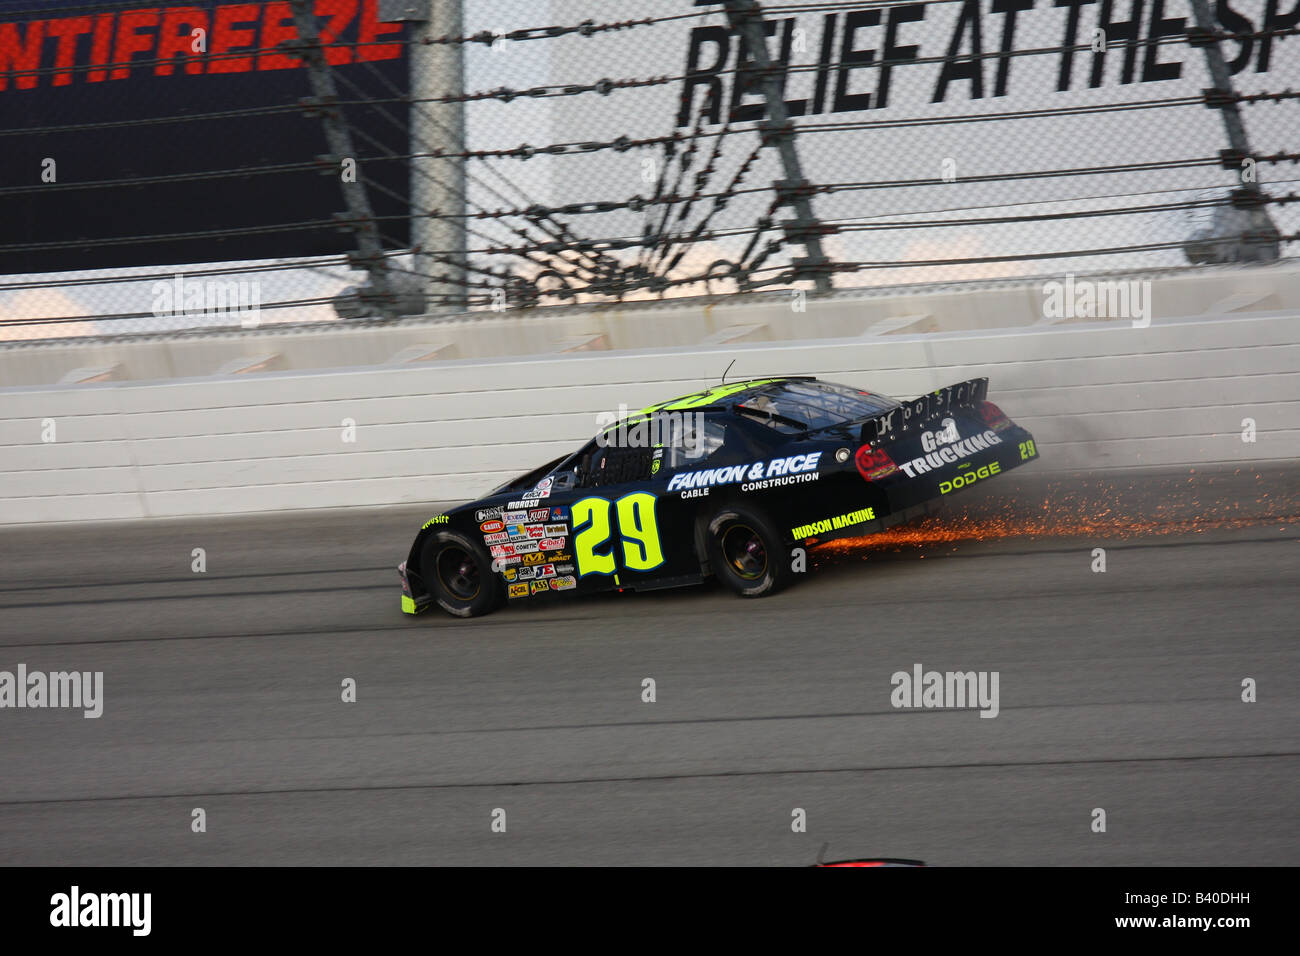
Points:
[[724, 374]]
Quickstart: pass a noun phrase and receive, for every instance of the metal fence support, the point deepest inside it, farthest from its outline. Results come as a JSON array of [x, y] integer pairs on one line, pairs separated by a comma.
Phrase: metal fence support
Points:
[[1243, 232], [746, 19], [437, 182], [359, 217]]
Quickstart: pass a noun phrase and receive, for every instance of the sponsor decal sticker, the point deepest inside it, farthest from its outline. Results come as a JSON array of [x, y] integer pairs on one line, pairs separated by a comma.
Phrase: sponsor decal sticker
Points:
[[501, 550], [949, 454], [566, 583], [436, 519], [495, 538], [551, 544], [486, 513], [524, 547], [791, 465], [539, 514], [559, 514], [969, 478], [536, 531], [491, 526], [945, 436], [517, 590], [778, 482], [557, 530], [833, 524], [539, 587], [515, 516]]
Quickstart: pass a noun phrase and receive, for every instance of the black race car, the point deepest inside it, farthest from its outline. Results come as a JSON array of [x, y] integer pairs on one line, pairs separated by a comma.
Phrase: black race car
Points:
[[728, 481]]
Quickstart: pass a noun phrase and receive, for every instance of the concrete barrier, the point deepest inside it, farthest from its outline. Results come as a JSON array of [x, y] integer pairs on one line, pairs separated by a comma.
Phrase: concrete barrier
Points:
[[1105, 396]]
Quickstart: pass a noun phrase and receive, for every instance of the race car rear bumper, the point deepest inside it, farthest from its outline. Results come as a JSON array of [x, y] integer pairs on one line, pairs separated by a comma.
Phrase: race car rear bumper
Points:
[[1016, 447]]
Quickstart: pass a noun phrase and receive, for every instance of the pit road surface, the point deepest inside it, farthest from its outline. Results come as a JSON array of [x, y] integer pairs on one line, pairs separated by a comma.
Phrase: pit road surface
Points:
[[1118, 690]]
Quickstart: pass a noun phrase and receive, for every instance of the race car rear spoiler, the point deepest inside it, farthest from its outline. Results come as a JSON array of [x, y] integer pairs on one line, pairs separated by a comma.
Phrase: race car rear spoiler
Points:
[[913, 415]]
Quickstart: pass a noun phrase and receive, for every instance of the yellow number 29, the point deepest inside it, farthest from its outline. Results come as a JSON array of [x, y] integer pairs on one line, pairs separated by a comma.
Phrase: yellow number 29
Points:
[[639, 531], [637, 527], [590, 531]]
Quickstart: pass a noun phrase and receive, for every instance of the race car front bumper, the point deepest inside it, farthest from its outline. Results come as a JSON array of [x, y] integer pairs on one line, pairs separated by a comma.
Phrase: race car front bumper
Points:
[[409, 603]]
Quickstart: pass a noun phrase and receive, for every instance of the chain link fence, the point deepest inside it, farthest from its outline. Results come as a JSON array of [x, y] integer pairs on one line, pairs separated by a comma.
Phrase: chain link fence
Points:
[[244, 164]]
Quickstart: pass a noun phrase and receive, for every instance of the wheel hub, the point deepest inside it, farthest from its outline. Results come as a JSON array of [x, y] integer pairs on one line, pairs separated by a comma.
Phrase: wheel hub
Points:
[[458, 573], [742, 546]]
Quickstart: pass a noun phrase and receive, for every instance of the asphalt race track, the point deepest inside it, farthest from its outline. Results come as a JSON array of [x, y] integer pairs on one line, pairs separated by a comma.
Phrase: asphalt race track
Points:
[[1118, 690]]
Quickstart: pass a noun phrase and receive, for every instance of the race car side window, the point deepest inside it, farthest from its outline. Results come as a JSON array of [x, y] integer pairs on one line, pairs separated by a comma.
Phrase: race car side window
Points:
[[692, 439], [686, 440], [612, 465]]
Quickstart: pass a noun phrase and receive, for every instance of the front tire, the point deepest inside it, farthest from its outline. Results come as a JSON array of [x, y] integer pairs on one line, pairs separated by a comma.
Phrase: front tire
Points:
[[459, 575], [747, 553]]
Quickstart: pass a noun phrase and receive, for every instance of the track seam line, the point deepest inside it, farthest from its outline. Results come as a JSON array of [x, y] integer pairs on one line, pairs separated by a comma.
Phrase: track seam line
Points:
[[650, 778]]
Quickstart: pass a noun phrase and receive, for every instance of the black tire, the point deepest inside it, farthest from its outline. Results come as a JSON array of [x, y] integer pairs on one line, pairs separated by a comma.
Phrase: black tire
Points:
[[747, 553], [458, 573]]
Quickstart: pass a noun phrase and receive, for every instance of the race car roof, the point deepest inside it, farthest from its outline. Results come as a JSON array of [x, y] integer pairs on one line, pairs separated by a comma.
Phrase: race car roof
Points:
[[715, 395], [709, 397]]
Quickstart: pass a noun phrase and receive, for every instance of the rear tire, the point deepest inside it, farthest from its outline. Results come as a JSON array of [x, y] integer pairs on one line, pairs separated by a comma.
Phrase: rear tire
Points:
[[458, 572], [747, 553]]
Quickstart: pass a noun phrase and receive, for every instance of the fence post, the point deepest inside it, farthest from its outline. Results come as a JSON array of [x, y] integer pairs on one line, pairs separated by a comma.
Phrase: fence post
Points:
[[1259, 240], [746, 18], [360, 217], [437, 182]]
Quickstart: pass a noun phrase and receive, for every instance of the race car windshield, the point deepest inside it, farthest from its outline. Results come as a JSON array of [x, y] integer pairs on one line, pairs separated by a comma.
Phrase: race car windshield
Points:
[[805, 406]]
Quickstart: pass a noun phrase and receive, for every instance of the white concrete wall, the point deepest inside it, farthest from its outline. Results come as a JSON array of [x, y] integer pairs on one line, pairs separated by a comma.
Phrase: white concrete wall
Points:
[[1096, 396]]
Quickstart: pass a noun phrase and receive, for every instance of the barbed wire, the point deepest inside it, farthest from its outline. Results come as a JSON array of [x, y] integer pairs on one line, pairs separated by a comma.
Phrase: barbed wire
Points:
[[587, 28], [631, 242], [606, 86], [532, 250], [561, 231], [638, 203], [62, 281], [441, 127], [231, 233], [784, 276]]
